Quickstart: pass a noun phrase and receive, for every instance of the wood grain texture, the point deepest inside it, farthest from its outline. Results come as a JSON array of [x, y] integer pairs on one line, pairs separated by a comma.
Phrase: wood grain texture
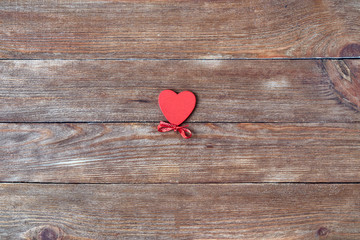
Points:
[[221, 153], [223, 211], [226, 90], [63, 29], [276, 147], [345, 79]]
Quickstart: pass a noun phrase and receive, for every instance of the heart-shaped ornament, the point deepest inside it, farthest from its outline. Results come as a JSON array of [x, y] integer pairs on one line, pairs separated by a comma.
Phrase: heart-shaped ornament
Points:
[[176, 107]]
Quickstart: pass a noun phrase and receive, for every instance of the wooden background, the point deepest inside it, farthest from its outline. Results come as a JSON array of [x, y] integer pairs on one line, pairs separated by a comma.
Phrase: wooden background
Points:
[[276, 147]]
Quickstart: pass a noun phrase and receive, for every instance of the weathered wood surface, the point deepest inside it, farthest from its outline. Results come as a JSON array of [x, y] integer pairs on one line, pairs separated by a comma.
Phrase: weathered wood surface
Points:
[[63, 29], [227, 90], [220, 211], [137, 153], [276, 147]]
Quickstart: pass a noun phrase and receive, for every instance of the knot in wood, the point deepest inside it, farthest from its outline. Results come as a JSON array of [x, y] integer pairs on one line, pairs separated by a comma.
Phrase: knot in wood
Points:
[[48, 234], [344, 77], [323, 231], [350, 50]]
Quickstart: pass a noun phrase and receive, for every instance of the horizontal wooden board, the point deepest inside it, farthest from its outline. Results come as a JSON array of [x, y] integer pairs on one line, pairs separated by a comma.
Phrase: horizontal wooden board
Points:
[[162, 29], [226, 90], [220, 153], [229, 211]]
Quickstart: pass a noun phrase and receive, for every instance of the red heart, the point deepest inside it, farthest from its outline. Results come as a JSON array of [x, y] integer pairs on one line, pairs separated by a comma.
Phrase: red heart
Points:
[[176, 107]]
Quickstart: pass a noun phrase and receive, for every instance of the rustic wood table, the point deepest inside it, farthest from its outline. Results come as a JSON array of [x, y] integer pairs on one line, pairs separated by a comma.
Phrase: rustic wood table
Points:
[[275, 152]]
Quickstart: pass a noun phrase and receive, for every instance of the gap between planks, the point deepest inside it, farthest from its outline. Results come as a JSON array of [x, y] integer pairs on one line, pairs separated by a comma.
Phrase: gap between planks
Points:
[[180, 59], [187, 122], [185, 183]]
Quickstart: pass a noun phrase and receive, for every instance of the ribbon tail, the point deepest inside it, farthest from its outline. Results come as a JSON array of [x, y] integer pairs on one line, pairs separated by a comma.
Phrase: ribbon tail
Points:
[[185, 133], [162, 128]]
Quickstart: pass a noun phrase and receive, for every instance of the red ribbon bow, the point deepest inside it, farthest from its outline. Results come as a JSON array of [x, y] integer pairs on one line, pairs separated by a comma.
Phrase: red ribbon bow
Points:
[[165, 127]]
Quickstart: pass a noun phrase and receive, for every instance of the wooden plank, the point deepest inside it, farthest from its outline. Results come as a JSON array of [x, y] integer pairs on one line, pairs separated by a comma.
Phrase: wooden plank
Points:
[[220, 153], [229, 211], [63, 29], [227, 91]]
